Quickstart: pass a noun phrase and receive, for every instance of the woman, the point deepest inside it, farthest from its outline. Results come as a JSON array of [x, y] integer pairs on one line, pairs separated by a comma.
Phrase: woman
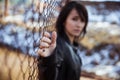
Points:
[[59, 59]]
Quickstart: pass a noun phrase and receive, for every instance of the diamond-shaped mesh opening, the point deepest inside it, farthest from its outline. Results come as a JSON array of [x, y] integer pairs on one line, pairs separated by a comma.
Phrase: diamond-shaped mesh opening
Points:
[[20, 32]]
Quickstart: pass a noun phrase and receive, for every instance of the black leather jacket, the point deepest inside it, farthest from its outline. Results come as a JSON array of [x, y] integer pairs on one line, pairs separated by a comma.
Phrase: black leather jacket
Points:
[[63, 64]]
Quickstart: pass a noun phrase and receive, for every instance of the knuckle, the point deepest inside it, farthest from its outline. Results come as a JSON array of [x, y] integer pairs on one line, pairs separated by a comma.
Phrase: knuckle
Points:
[[44, 44], [39, 51], [44, 38], [50, 41], [47, 34], [47, 40], [47, 45]]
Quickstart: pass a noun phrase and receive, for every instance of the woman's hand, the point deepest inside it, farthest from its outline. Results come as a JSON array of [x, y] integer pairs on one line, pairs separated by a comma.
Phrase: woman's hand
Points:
[[47, 44]]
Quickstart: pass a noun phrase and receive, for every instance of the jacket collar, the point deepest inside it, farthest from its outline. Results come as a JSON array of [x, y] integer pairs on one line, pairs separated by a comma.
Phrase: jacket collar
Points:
[[74, 45]]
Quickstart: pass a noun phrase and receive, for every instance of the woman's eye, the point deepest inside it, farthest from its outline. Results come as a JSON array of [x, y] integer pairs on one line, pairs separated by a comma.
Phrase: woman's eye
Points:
[[75, 19]]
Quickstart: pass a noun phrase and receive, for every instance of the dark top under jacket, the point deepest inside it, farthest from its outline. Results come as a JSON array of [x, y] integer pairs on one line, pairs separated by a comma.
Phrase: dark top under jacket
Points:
[[63, 64]]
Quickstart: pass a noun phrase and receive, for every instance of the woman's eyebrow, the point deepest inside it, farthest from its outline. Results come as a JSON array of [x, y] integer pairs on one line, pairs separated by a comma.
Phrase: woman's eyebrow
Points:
[[76, 16]]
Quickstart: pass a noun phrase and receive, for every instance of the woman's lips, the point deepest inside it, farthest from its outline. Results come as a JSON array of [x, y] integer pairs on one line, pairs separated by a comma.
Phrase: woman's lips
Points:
[[77, 30]]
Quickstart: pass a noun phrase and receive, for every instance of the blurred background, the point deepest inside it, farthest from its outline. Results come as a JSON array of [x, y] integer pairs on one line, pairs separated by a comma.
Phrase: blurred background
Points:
[[21, 25]]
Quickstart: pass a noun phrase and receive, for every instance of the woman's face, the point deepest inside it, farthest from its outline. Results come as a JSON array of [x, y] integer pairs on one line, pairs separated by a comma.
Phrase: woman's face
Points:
[[74, 25]]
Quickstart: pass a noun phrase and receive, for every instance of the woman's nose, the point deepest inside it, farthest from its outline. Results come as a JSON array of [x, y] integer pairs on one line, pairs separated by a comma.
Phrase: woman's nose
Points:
[[78, 24]]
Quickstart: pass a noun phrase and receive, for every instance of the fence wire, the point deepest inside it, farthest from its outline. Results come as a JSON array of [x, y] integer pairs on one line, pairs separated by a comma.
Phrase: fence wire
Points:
[[21, 31], [19, 41]]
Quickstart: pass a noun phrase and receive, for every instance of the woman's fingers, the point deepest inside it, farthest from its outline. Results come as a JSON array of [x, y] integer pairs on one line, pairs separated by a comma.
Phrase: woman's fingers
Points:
[[44, 45], [46, 34], [46, 39], [54, 37], [40, 52], [47, 44]]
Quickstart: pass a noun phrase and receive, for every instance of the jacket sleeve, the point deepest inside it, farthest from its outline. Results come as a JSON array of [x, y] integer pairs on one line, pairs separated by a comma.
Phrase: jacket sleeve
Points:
[[47, 67]]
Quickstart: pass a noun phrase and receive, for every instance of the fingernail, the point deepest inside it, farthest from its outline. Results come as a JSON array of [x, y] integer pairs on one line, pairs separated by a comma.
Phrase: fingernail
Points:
[[43, 50]]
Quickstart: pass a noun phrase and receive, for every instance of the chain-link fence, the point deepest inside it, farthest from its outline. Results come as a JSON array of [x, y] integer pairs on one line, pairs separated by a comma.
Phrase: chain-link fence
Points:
[[21, 26], [20, 33]]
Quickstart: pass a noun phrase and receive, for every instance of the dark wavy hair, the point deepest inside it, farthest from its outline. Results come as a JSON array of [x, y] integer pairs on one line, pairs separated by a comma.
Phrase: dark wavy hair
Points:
[[65, 11]]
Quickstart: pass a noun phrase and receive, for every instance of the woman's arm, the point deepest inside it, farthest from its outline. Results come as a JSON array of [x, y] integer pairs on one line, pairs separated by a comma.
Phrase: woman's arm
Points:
[[47, 67]]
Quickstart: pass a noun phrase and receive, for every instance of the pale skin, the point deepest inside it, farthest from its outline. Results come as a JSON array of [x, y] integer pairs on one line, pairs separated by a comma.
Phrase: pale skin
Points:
[[73, 28]]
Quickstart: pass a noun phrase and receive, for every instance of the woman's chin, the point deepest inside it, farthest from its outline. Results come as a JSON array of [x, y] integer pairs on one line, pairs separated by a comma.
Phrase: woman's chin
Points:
[[77, 34]]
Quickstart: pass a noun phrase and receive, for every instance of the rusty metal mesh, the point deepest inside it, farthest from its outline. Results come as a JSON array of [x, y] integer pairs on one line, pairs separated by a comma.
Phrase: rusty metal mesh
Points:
[[19, 39]]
